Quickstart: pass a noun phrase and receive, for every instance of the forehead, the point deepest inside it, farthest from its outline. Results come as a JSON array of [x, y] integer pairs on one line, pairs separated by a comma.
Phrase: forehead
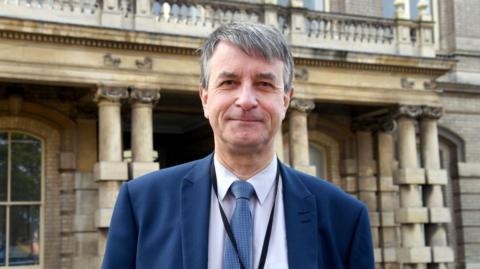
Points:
[[227, 56]]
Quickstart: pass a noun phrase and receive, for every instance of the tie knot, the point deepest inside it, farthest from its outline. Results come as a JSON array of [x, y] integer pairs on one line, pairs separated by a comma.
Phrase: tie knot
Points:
[[241, 189]]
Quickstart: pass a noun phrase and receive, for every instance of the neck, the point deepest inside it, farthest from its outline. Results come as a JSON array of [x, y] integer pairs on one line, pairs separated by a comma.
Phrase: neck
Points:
[[245, 165]]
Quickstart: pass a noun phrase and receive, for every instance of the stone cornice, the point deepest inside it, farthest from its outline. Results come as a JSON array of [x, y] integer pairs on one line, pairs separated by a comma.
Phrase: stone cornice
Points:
[[110, 93], [369, 67], [302, 105], [86, 36], [97, 43]]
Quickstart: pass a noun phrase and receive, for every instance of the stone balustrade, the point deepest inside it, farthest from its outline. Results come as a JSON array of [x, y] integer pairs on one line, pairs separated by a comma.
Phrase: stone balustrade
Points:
[[302, 27]]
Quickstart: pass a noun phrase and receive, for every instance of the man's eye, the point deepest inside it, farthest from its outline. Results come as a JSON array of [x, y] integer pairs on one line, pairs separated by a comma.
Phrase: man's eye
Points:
[[265, 84], [227, 82]]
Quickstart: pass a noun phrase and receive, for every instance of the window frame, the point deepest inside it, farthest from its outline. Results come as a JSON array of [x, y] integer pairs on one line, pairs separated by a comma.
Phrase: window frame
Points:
[[8, 203]]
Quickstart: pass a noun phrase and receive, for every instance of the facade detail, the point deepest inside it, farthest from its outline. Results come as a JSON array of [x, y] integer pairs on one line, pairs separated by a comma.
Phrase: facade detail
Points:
[[385, 107], [298, 134]]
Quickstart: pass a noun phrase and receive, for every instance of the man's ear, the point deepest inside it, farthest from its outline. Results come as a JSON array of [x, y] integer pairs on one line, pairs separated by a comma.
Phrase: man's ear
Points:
[[203, 93], [287, 97]]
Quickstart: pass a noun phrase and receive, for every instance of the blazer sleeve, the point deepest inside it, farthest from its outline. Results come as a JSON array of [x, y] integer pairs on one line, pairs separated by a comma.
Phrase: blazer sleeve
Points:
[[361, 251], [122, 235]]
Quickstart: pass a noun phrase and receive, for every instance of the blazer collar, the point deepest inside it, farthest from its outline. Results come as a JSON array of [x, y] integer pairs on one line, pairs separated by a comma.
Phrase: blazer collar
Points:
[[196, 188], [300, 220]]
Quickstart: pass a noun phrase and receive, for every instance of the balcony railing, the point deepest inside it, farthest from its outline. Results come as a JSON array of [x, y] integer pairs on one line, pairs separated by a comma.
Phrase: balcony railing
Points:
[[302, 27]]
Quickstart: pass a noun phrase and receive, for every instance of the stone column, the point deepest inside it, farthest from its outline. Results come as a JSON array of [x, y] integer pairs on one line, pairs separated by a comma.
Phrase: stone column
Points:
[[436, 179], [142, 102], [386, 192], [411, 215], [298, 134], [110, 171]]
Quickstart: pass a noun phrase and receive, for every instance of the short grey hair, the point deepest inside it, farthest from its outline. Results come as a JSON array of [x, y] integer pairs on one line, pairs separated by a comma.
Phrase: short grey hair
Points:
[[253, 39]]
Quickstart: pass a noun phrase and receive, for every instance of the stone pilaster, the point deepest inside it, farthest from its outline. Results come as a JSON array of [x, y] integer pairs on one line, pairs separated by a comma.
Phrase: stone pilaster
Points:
[[142, 102], [298, 134], [110, 171], [411, 215], [386, 193], [436, 179], [367, 182], [375, 181]]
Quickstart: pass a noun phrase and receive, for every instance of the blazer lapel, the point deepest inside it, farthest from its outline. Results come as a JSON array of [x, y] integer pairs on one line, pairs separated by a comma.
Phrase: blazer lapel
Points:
[[195, 208], [301, 222]]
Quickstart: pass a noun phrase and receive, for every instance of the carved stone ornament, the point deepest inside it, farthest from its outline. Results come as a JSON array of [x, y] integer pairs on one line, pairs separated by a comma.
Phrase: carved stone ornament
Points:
[[302, 105], [385, 123], [145, 96], [145, 64], [407, 83], [432, 112], [407, 111], [108, 60], [301, 74], [429, 85], [112, 94]]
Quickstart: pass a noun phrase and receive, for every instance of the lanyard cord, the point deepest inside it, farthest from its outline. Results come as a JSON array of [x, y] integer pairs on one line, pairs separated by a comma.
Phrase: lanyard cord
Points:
[[228, 229]]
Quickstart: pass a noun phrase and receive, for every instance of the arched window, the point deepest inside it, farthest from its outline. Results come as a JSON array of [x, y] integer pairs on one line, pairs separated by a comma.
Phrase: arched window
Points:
[[318, 158], [20, 200]]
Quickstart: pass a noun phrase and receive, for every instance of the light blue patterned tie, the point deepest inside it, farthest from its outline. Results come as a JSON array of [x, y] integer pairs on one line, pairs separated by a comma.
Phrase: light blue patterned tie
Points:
[[241, 224]]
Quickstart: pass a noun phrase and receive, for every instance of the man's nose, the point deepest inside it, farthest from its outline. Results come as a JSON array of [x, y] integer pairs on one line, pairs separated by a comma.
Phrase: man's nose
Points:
[[247, 98]]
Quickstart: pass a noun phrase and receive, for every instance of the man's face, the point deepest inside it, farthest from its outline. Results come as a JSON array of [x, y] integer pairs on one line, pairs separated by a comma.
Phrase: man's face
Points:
[[245, 101]]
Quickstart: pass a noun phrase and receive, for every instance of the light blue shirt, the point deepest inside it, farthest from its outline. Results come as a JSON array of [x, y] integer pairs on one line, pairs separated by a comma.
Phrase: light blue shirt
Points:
[[260, 206]]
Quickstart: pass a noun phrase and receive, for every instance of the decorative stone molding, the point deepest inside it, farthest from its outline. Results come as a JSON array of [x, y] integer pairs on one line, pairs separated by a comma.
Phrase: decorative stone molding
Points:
[[383, 123], [430, 85], [301, 74], [152, 48], [144, 64], [109, 60], [112, 94], [302, 105], [407, 111], [432, 112], [407, 83], [145, 96]]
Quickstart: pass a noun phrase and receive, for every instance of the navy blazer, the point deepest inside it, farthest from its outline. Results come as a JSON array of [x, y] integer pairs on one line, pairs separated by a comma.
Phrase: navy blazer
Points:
[[161, 220]]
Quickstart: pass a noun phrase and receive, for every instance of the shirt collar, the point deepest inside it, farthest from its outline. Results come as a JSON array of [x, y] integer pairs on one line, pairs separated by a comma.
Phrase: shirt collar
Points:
[[262, 182]]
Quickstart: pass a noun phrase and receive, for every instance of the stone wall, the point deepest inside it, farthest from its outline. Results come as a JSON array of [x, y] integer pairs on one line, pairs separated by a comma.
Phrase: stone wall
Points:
[[462, 117], [364, 7], [467, 21]]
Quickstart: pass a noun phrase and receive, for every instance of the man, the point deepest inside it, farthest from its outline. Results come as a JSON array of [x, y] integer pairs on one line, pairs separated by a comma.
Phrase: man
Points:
[[239, 207]]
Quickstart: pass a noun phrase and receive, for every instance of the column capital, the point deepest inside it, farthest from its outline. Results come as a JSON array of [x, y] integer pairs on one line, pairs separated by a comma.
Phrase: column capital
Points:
[[432, 112], [302, 105], [110, 93], [382, 123], [145, 96], [407, 111]]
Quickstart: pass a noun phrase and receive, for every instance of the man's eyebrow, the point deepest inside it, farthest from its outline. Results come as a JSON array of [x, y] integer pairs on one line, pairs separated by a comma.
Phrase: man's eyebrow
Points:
[[225, 74], [269, 76]]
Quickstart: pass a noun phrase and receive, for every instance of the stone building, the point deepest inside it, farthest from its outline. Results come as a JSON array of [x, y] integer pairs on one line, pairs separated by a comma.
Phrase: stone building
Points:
[[387, 107]]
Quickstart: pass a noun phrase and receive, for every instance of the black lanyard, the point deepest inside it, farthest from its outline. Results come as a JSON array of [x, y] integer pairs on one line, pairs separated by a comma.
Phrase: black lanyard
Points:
[[228, 229]]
